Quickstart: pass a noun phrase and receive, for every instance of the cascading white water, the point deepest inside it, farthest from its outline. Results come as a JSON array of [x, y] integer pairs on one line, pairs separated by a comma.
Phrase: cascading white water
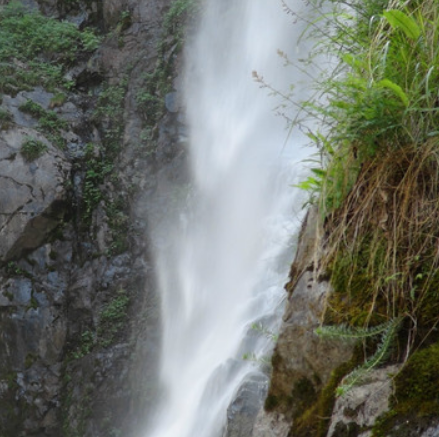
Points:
[[223, 269]]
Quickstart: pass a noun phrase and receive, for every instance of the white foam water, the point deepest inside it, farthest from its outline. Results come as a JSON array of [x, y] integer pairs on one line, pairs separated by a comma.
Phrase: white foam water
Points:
[[227, 264]]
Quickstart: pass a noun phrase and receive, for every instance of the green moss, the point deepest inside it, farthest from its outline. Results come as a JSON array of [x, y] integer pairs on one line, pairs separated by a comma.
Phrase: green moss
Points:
[[84, 347], [417, 385], [353, 276], [157, 83], [33, 303], [271, 402], [415, 399], [304, 395], [118, 222], [314, 420], [48, 122], [32, 108], [113, 318], [109, 113], [12, 269], [30, 359], [57, 100]]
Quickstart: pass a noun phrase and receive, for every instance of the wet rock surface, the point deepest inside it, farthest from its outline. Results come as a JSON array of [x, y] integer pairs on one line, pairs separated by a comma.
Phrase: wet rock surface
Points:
[[33, 194], [78, 307], [242, 412], [300, 356]]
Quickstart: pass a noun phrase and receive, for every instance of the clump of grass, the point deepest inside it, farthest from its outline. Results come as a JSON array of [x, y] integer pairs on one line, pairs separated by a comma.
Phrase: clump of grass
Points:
[[382, 249], [5, 119], [381, 95], [32, 149]]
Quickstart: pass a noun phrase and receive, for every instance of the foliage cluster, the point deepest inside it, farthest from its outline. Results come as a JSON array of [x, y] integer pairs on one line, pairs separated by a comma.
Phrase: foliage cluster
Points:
[[48, 122], [112, 319], [415, 401], [34, 49], [97, 169], [377, 186], [109, 113], [5, 119], [378, 142], [158, 83], [32, 149]]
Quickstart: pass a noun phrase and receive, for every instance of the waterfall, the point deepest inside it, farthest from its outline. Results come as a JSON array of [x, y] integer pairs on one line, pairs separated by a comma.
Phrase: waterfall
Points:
[[229, 248]]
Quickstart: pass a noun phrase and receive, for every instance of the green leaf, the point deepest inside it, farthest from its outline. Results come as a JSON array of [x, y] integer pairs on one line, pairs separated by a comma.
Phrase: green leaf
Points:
[[386, 83], [353, 61], [319, 172], [309, 184], [400, 20]]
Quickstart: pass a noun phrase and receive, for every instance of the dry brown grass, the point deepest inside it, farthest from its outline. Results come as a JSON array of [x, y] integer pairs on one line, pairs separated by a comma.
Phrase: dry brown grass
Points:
[[382, 247]]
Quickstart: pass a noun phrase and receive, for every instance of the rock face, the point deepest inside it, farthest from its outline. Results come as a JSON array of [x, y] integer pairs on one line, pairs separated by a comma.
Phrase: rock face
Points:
[[78, 308], [357, 410], [302, 399], [302, 361], [34, 194], [242, 412]]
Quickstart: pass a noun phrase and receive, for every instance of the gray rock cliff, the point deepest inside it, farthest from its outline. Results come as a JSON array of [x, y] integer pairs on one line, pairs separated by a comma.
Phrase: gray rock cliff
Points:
[[78, 310]]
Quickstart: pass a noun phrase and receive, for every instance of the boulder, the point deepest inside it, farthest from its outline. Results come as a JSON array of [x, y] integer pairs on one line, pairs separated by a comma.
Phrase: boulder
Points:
[[359, 408], [242, 412]]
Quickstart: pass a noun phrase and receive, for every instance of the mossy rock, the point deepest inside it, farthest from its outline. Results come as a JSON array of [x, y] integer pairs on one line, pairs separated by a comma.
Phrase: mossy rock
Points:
[[415, 403], [417, 385], [314, 420]]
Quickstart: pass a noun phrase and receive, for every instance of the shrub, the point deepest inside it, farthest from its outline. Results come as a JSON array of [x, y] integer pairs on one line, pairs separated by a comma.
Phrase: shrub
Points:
[[43, 46], [32, 149]]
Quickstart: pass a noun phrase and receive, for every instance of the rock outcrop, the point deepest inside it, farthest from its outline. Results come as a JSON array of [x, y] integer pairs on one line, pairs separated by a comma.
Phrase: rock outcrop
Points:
[[302, 399], [248, 401], [34, 196], [357, 411], [302, 361], [78, 169]]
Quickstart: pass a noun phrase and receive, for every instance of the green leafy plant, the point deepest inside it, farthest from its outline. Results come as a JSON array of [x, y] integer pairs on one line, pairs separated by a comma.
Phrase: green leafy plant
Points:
[[113, 318], [32, 149], [5, 119], [263, 330], [48, 121], [34, 49], [387, 331], [263, 360], [158, 83]]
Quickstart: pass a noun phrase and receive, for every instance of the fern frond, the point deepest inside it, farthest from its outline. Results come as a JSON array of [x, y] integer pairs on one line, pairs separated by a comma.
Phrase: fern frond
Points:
[[350, 333], [382, 353]]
